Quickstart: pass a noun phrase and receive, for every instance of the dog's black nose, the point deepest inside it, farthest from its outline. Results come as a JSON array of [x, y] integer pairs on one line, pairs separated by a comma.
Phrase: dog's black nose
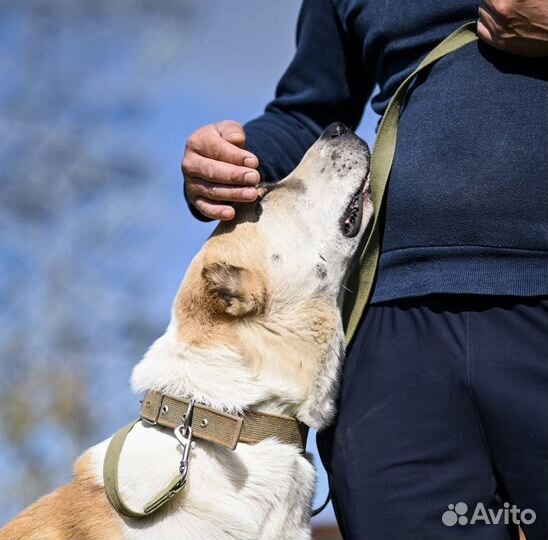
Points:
[[336, 129]]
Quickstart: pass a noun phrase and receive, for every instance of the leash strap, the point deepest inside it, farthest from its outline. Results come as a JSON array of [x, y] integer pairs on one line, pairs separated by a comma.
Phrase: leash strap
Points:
[[323, 506], [362, 279], [110, 479]]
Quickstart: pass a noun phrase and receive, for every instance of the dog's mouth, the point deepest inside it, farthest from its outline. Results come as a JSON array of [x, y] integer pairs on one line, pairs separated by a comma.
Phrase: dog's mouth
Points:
[[353, 215]]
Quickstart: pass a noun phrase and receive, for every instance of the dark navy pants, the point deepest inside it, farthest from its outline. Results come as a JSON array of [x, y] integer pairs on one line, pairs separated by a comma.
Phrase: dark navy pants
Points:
[[444, 401]]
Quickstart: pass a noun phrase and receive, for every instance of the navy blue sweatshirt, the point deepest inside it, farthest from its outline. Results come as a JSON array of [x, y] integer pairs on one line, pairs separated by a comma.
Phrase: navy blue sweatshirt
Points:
[[467, 201]]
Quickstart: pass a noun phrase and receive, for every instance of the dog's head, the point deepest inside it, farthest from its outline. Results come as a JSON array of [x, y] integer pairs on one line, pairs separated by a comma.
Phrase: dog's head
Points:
[[314, 218], [298, 237], [266, 284]]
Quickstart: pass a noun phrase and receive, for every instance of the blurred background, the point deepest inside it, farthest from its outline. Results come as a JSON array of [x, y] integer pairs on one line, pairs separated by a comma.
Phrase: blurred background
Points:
[[96, 102]]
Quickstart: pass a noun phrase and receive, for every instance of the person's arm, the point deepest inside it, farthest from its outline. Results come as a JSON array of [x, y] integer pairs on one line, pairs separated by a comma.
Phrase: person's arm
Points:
[[325, 82], [516, 26]]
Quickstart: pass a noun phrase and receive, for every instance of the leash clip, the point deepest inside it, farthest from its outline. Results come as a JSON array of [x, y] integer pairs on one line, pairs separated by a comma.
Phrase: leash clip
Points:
[[183, 433]]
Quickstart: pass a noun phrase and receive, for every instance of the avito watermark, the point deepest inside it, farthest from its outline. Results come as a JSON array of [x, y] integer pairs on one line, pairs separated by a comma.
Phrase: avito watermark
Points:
[[457, 514]]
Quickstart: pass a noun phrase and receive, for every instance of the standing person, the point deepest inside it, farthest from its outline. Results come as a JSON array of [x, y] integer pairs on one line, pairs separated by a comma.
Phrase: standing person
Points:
[[444, 398]]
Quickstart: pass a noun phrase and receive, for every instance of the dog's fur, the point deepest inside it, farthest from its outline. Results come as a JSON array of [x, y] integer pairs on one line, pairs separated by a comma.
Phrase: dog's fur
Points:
[[256, 324]]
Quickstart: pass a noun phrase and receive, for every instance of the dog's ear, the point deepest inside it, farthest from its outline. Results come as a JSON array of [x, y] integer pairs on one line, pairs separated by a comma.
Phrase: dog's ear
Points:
[[234, 290]]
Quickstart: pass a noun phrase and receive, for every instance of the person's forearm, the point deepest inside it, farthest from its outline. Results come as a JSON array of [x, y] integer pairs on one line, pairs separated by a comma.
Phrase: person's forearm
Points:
[[325, 82]]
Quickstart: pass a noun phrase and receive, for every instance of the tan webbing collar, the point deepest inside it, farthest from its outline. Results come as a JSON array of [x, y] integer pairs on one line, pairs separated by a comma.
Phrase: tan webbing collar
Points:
[[222, 428]]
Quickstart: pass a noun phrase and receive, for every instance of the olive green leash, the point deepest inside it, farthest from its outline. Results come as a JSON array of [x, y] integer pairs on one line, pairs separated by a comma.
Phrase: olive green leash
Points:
[[360, 283], [188, 421], [110, 479]]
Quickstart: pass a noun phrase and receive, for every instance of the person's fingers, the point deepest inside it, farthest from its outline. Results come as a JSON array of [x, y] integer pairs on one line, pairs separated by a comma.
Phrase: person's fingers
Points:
[[234, 133], [208, 142], [214, 163], [198, 188], [499, 14], [488, 29], [509, 27], [216, 171], [483, 32], [214, 210]]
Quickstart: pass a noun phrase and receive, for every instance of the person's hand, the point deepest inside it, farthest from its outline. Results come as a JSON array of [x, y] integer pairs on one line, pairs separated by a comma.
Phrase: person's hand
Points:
[[218, 170], [516, 26]]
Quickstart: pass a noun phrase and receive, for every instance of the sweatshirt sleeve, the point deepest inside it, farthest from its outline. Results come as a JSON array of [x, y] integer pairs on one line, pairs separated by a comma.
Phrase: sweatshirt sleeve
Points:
[[325, 82]]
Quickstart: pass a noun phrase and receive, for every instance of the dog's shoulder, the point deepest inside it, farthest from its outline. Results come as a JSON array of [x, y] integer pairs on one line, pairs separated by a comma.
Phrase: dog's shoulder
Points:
[[78, 510]]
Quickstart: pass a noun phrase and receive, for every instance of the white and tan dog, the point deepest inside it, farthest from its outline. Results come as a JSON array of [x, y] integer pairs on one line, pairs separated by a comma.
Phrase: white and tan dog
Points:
[[256, 325]]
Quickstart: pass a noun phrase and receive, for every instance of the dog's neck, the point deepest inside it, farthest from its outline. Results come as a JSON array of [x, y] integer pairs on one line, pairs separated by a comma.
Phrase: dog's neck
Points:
[[272, 373], [215, 377]]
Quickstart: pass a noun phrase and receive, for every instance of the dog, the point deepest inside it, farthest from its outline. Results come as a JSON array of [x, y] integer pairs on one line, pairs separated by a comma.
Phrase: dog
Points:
[[255, 327]]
